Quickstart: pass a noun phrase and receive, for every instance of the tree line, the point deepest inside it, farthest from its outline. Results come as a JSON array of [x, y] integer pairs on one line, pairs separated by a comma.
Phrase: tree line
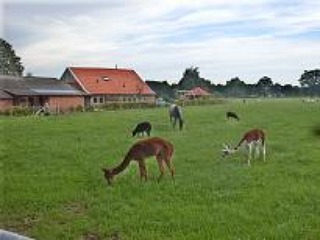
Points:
[[235, 87]]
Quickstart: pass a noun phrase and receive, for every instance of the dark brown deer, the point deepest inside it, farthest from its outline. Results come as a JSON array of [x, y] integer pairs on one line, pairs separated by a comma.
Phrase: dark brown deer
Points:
[[233, 115], [141, 128], [253, 139], [155, 146]]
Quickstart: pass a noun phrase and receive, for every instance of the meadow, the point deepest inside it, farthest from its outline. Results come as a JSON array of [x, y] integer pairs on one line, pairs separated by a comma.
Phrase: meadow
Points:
[[52, 186]]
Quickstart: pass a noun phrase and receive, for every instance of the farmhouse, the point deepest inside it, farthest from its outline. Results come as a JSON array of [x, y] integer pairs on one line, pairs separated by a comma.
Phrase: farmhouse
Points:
[[104, 85], [36, 92]]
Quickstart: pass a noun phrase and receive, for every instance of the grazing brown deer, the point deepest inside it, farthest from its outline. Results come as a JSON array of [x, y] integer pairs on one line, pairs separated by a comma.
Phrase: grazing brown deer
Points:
[[155, 146], [254, 138]]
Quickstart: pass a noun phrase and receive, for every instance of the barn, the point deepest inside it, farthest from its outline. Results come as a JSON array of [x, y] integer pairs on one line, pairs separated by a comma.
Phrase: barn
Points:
[[36, 92]]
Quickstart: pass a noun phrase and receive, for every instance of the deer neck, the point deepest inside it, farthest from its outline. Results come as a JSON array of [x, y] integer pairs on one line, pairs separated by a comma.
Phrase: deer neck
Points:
[[122, 166], [240, 143]]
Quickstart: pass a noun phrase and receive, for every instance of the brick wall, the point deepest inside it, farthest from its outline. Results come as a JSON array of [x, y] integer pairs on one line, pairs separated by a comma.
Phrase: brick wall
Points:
[[64, 103], [5, 104]]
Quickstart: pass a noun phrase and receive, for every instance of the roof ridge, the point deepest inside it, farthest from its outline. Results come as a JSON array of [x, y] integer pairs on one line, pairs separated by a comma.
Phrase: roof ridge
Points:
[[102, 68], [123, 81]]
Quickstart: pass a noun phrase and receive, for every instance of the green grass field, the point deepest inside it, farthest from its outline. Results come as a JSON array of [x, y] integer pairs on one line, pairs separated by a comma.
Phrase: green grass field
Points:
[[52, 186]]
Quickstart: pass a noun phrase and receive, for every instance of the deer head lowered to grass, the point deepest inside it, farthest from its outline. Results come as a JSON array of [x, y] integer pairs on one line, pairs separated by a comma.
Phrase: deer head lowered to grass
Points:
[[160, 148], [175, 114], [252, 140]]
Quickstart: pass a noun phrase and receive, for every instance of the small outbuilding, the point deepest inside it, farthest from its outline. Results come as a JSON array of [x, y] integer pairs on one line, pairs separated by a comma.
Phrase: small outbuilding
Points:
[[37, 92], [197, 93]]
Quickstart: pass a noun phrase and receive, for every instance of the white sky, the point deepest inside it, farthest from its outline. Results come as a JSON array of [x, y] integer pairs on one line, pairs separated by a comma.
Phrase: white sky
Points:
[[161, 38]]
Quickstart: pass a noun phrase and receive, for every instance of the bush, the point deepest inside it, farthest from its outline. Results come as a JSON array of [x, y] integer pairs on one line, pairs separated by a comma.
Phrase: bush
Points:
[[6, 112], [71, 109], [17, 111], [89, 109], [79, 108]]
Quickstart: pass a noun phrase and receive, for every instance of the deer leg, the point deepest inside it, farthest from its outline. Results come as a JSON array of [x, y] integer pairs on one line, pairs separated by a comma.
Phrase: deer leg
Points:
[[257, 151], [180, 124], [140, 170], [174, 123], [250, 152], [264, 152], [161, 167], [171, 167], [143, 171]]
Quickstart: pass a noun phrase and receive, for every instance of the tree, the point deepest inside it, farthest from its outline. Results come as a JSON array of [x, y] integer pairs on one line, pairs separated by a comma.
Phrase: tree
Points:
[[235, 87], [277, 90], [10, 64], [311, 80], [191, 79], [264, 86], [290, 91], [162, 89]]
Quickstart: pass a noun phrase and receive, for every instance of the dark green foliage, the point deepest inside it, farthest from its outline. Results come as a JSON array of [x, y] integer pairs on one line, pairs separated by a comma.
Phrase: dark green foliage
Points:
[[236, 87], [311, 81], [17, 111], [162, 89], [264, 86], [10, 64], [191, 79], [310, 78]]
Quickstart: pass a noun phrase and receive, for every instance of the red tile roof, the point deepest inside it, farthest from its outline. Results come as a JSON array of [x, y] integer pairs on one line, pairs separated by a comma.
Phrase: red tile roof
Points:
[[110, 81], [198, 91]]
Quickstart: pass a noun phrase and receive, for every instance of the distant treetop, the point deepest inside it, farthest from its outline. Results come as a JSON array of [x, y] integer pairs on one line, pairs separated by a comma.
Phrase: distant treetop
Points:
[[10, 64]]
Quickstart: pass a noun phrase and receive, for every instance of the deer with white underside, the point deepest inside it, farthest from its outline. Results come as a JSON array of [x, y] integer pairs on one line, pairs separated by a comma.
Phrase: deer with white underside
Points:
[[253, 140]]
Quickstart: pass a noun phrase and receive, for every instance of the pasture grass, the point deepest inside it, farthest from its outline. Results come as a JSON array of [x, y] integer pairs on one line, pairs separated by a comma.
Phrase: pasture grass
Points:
[[53, 188]]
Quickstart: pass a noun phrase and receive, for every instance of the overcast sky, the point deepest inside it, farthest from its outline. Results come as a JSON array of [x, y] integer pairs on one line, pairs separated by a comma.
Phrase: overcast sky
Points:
[[161, 38]]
